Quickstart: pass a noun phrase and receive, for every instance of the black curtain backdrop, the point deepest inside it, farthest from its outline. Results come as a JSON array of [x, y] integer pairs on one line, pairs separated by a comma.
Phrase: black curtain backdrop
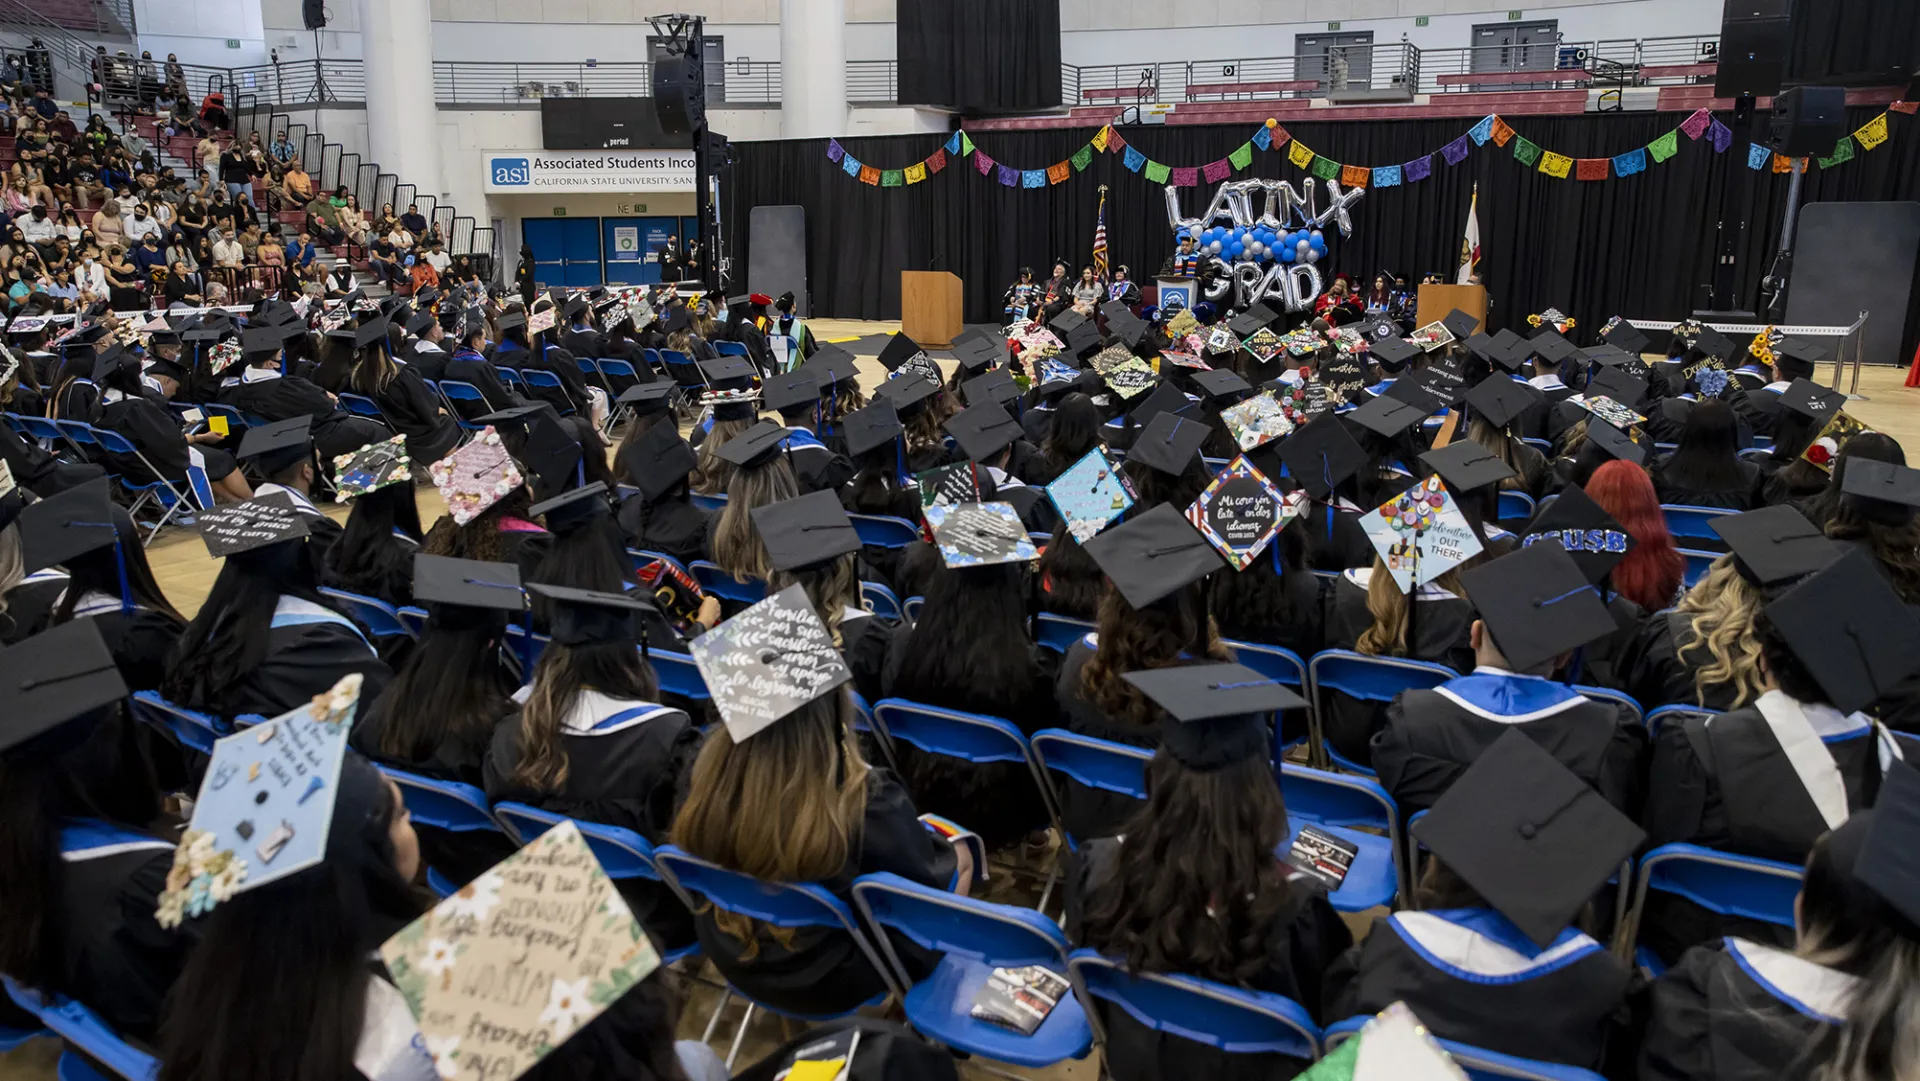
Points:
[[979, 56], [1853, 42], [1640, 246]]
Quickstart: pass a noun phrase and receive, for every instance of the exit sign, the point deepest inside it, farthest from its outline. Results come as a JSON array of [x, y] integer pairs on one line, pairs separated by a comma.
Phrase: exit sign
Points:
[[1515, 16], [1333, 26], [233, 43], [559, 211], [1420, 20]]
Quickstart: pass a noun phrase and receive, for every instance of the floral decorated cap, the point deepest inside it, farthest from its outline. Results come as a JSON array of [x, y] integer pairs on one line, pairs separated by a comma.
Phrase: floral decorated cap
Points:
[[476, 477], [1553, 317], [223, 356], [265, 806], [564, 925], [371, 468]]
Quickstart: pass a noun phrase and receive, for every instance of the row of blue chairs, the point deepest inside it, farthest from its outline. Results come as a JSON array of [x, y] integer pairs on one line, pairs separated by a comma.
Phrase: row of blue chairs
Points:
[[77, 436]]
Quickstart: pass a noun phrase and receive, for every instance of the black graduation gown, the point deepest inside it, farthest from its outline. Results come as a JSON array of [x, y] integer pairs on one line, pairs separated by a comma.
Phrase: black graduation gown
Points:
[[115, 958], [1471, 976], [863, 644], [288, 396], [672, 527], [1035, 422], [816, 466], [1440, 632], [154, 431], [822, 971], [1431, 737], [139, 640], [1091, 812], [1729, 785], [307, 653], [582, 341], [1335, 539], [1760, 409], [30, 604], [414, 411], [428, 359], [480, 373], [1745, 495], [37, 469], [626, 764], [79, 400], [1307, 938], [1734, 1010], [1655, 675], [1603, 661]]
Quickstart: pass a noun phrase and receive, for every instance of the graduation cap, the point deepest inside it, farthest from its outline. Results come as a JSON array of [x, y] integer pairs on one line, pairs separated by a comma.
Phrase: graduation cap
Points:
[[977, 356], [1166, 398], [421, 323], [1626, 336], [1216, 714], [979, 534], [1221, 383], [678, 319], [1614, 442], [1850, 630], [1244, 324], [768, 661], [1322, 454], [996, 386], [545, 446], [724, 369], [1460, 324], [1715, 344], [871, 426], [1154, 554], [1537, 604], [1393, 353], [1067, 322], [510, 319], [86, 335], [371, 468], [68, 524], [244, 527], [1439, 385], [1501, 399], [1169, 444], [983, 430], [1595, 539], [908, 391], [110, 360], [898, 350], [1389, 415], [476, 477], [54, 677], [646, 399], [1811, 400], [1528, 835], [1615, 383], [658, 460], [257, 341], [1883, 482], [1090, 493], [831, 365], [278, 447], [467, 583], [577, 306], [1775, 544], [1549, 344], [1466, 465], [574, 509], [791, 392], [1796, 357], [1888, 864], [583, 617], [804, 531], [755, 446]]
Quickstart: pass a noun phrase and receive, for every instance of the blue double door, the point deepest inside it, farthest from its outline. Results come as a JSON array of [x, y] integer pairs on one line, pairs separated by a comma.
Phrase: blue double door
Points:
[[576, 253]]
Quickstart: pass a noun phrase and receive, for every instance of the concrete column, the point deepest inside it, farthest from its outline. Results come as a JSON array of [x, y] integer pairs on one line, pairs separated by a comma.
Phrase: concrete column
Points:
[[813, 68], [396, 40]]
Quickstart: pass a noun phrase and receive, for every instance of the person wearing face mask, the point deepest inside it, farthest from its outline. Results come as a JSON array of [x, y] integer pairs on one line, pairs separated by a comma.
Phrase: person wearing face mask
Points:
[[141, 224], [148, 258], [91, 276], [38, 228]]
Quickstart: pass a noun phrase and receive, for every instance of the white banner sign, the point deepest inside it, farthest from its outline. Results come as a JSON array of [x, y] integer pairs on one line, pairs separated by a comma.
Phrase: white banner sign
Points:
[[531, 171]]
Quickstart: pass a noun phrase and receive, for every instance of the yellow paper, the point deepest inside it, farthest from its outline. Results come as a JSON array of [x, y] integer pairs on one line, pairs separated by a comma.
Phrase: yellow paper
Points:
[[1555, 165], [1873, 133], [1299, 154], [816, 1071], [217, 424]]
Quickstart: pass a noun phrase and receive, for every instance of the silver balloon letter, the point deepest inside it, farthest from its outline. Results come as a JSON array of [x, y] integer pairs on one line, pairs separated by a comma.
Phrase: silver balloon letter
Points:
[[1303, 286], [1274, 286], [1222, 280], [1337, 210], [1179, 224], [1246, 279]]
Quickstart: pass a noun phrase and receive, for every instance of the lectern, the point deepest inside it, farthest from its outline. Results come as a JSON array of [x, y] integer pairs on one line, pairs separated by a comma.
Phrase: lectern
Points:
[[930, 307], [1435, 301]]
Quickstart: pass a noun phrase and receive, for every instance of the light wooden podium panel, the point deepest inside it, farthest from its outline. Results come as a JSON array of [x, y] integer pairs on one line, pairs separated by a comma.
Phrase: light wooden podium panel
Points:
[[1435, 301], [930, 307]]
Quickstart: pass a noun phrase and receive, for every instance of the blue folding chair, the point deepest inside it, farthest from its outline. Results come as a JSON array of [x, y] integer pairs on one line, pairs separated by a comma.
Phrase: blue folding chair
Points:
[[1479, 1063], [87, 1033], [1666, 715], [974, 938], [1059, 633], [971, 737], [1721, 882], [47, 432], [1369, 679], [685, 373], [446, 805], [641, 557], [362, 406], [512, 378], [237, 422], [721, 584], [455, 391], [622, 852], [1621, 698], [881, 531], [1698, 564], [780, 904], [158, 491], [414, 618], [1228, 1019], [1095, 763], [1348, 807], [730, 349], [527, 647], [1692, 522], [381, 619], [1754, 454], [911, 608], [678, 675], [612, 369], [1280, 664], [880, 600], [541, 379], [189, 728], [712, 504]]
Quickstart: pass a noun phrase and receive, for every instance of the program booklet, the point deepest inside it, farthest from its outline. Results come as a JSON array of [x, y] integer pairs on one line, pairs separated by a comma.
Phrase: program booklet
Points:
[[1019, 998], [1322, 855]]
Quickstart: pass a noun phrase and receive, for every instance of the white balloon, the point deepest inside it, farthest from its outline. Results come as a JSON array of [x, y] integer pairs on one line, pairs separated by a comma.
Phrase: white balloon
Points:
[[1215, 247], [1303, 247], [1311, 256], [1256, 247]]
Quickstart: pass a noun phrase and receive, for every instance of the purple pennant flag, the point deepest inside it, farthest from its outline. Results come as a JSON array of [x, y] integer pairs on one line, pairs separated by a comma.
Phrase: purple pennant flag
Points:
[[1720, 136], [1186, 178], [1218, 171], [1419, 168], [834, 150], [1455, 152], [1696, 123], [1009, 176]]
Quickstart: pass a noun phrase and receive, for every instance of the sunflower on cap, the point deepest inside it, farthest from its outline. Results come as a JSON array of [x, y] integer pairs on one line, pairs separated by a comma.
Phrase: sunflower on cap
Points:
[[1761, 348], [1561, 321]]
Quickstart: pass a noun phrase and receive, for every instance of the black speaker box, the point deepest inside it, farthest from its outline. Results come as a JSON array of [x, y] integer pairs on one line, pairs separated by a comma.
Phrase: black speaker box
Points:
[[314, 12], [1808, 120], [677, 101], [1753, 57]]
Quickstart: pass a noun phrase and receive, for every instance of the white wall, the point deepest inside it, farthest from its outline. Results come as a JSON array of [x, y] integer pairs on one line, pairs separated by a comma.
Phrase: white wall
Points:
[[198, 30]]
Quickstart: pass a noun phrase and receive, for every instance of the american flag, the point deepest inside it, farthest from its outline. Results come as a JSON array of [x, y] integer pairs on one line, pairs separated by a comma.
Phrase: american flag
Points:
[[1100, 237]]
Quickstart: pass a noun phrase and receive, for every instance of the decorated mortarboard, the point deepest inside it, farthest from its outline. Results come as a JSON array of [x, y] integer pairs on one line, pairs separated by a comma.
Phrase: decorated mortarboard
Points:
[[584, 617], [1241, 512], [768, 661], [1614, 442], [28, 324], [1169, 444], [1528, 835], [542, 320], [1841, 428], [1264, 344], [1432, 336], [1321, 454], [538, 440], [278, 446], [754, 446], [1883, 481], [1501, 399], [233, 528], [1393, 353], [1130, 378], [573, 509], [1216, 714], [898, 351], [49, 679], [947, 485], [907, 391], [1258, 420], [1624, 335], [1460, 324], [1441, 383], [1222, 339], [1466, 465], [646, 399], [476, 477], [1113, 356], [983, 430], [1183, 323], [1811, 400], [467, 583], [805, 530], [1420, 534], [1574, 522], [371, 468], [1609, 409], [1091, 493], [1851, 631], [1775, 544], [996, 386], [68, 524], [979, 534], [1389, 415], [1617, 384], [795, 390], [265, 805], [1153, 554], [658, 460]]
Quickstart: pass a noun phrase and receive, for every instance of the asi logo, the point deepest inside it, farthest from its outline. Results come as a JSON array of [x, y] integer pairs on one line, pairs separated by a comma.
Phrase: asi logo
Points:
[[512, 171]]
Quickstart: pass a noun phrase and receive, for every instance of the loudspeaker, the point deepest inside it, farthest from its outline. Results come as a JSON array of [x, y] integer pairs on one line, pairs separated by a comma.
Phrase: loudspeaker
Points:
[[315, 14], [1753, 56], [678, 99], [1808, 120]]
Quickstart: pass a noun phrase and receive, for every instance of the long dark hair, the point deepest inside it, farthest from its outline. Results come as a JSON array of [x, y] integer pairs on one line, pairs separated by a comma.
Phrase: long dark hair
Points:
[[1890, 531], [592, 556], [227, 640], [481, 538], [1707, 459], [969, 649], [1842, 925], [456, 667], [614, 668], [365, 559], [99, 572], [321, 923], [875, 488], [1199, 856], [1072, 580], [1260, 600], [1170, 631], [1074, 430], [1881, 448]]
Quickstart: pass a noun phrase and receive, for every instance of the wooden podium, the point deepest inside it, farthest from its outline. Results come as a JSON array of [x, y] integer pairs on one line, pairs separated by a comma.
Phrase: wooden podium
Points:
[[929, 307], [1435, 301]]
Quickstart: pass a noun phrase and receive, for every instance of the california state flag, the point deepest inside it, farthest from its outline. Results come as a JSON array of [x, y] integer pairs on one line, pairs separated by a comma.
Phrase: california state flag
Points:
[[1470, 241]]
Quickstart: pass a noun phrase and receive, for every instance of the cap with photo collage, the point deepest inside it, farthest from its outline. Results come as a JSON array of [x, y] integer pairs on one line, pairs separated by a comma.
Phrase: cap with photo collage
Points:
[[806, 530], [537, 438], [371, 468], [1466, 465], [768, 661], [277, 447], [1216, 714], [996, 386], [1154, 554], [1775, 544], [1595, 539], [50, 679], [584, 617], [1537, 603], [476, 476], [1850, 630], [983, 430], [1169, 444], [658, 460], [67, 524], [1614, 442], [755, 446], [1388, 416], [1528, 835], [793, 392], [574, 509], [1393, 353], [1501, 399]]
